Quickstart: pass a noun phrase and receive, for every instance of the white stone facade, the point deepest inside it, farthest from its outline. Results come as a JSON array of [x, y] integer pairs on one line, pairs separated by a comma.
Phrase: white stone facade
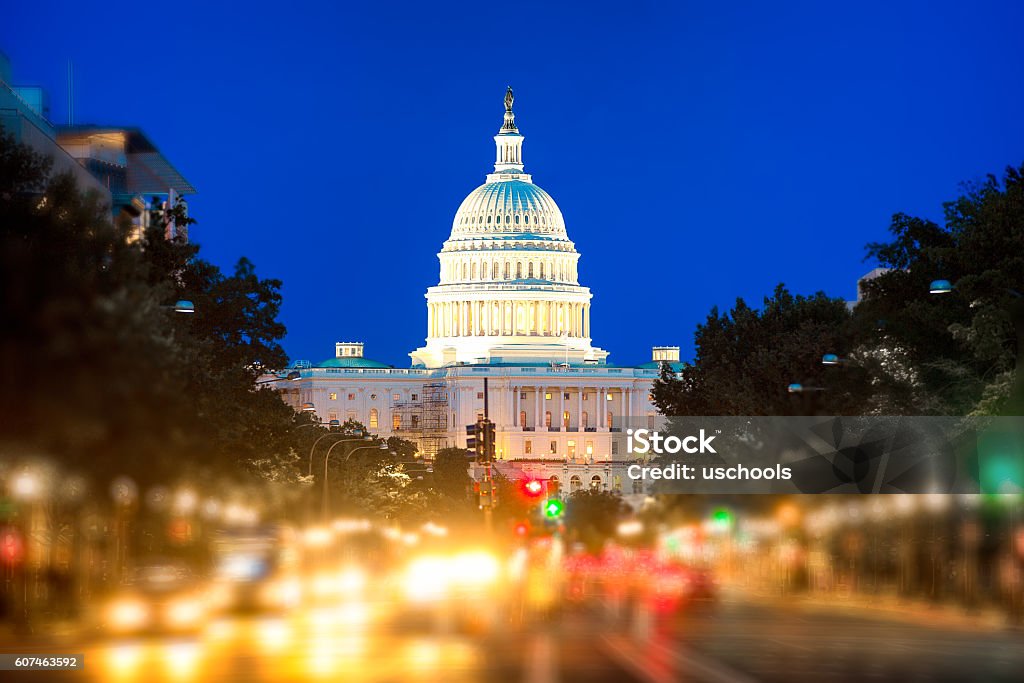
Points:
[[508, 307]]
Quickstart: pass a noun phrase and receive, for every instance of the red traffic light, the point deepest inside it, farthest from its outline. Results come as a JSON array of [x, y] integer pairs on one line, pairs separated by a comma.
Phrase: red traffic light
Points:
[[532, 488], [10, 546]]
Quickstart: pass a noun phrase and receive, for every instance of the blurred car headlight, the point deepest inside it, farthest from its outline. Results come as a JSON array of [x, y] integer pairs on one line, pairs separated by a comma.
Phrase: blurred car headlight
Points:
[[185, 612], [127, 614], [475, 568], [426, 580], [282, 593]]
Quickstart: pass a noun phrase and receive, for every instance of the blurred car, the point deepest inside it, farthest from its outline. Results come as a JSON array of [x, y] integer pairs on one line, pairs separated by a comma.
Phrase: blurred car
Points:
[[461, 591], [162, 597], [253, 573]]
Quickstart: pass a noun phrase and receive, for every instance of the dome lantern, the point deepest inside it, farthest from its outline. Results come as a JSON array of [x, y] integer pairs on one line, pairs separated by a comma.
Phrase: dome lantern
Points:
[[509, 143]]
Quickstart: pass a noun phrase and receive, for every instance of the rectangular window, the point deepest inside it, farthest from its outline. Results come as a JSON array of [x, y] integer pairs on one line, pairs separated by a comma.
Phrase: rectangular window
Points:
[[528, 446], [547, 396], [590, 448], [415, 397], [332, 416], [571, 449], [415, 421], [351, 397], [615, 447], [334, 395], [586, 397], [554, 448], [565, 396], [608, 397], [395, 397], [480, 395], [522, 395], [396, 421]]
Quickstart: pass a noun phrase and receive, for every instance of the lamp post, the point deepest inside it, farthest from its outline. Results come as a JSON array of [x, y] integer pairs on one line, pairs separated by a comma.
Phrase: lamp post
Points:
[[358, 437], [383, 447]]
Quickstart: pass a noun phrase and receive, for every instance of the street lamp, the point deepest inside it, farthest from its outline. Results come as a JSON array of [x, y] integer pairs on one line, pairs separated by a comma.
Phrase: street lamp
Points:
[[382, 447], [797, 388], [940, 287], [358, 437]]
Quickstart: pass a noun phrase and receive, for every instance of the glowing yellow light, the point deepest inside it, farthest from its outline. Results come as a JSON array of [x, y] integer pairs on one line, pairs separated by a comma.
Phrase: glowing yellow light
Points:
[[123, 660], [181, 660]]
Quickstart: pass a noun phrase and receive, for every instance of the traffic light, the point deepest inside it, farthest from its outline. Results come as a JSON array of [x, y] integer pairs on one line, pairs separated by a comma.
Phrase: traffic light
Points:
[[532, 488], [554, 508], [11, 548], [476, 440], [522, 529], [489, 444]]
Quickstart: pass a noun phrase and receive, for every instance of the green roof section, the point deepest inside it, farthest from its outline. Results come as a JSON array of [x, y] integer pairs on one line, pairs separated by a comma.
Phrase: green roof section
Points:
[[353, 362]]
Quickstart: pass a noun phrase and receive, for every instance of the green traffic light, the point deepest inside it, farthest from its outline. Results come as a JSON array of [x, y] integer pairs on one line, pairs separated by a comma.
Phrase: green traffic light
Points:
[[554, 508]]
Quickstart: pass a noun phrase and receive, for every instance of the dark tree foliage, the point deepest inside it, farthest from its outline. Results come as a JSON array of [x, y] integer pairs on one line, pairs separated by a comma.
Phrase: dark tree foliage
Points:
[[960, 347], [592, 517], [100, 374], [746, 358]]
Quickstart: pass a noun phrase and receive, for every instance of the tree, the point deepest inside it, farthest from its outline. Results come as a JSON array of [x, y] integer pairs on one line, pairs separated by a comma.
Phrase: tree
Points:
[[960, 347], [747, 358], [592, 517]]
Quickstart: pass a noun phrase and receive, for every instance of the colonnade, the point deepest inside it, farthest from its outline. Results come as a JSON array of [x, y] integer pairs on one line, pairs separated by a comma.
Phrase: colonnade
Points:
[[508, 318]]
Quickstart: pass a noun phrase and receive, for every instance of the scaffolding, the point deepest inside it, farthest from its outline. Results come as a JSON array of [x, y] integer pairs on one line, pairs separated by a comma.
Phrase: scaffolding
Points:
[[425, 419]]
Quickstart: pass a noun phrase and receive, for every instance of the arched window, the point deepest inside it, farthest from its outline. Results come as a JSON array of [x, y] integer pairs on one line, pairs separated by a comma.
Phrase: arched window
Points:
[[522, 418], [530, 269], [595, 483], [542, 270], [526, 219], [488, 219], [553, 485], [565, 419], [517, 219], [464, 271], [508, 219], [473, 271], [575, 484], [506, 269], [373, 418], [519, 270]]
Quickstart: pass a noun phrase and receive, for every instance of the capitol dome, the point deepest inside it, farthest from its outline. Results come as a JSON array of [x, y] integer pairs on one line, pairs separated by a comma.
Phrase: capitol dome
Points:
[[510, 206], [508, 287]]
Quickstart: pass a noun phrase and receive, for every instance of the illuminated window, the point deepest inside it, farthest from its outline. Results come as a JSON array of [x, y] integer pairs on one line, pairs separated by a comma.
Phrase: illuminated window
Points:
[[333, 415], [547, 418], [590, 448], [396, 421], [547, 396], [373, 418], [575, 484], [394, 397], [571, 449], [565, 395], [553, 485], [554, 448], [528, 447], [334, 396], [595, 483], [608, 397], [565, 419], [522, 418], [351, 397], [586, 397]]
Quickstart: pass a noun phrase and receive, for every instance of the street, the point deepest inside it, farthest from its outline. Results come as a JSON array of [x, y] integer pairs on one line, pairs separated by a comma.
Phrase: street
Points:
[[734, 641]]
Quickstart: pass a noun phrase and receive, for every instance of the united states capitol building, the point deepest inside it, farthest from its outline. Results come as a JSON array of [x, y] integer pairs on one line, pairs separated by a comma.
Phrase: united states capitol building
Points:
[[508, 308]]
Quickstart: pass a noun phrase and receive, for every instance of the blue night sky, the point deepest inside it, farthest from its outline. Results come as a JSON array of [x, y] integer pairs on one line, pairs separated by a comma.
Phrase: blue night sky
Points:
[[699, 151]]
